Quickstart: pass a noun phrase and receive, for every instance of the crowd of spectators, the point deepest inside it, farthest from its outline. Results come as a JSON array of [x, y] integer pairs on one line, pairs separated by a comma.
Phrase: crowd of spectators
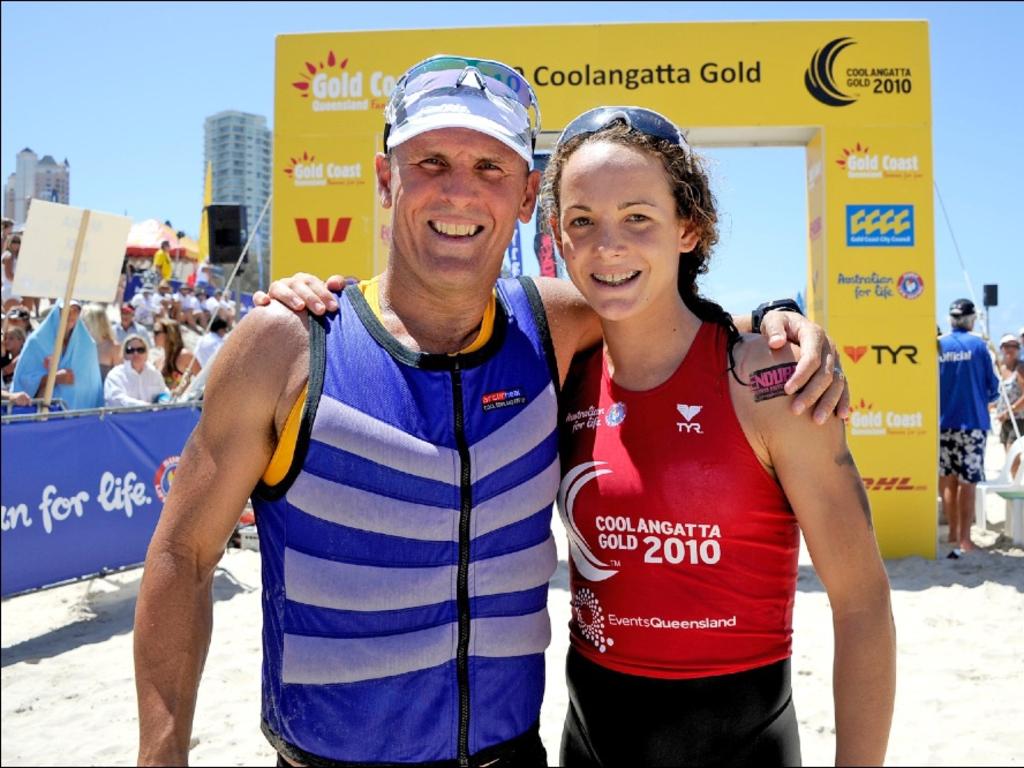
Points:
[[101, 362]]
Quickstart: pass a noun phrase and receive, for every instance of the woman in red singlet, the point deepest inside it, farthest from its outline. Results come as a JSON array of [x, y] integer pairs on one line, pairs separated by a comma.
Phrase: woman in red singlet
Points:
[[686, 482]]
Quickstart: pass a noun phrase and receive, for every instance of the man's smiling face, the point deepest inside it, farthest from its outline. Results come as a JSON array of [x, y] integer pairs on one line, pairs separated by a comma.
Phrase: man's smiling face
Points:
[[456, 194]]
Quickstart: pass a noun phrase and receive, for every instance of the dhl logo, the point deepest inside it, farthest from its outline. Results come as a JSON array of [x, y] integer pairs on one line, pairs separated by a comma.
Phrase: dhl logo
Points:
[[880, 221], [890, 484]]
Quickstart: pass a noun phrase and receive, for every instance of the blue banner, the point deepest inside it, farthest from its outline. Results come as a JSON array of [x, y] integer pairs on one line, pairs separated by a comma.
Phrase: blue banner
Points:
[[81, 495]]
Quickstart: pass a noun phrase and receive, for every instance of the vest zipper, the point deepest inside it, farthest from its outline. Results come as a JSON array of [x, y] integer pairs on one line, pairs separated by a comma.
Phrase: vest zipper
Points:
[[462, 592]]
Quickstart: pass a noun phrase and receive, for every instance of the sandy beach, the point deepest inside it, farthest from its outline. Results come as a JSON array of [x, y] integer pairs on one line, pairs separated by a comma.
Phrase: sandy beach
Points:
[[69, 694]]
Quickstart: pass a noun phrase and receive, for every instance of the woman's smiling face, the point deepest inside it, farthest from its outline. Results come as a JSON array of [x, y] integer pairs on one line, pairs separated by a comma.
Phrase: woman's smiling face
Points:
[[619, 229]]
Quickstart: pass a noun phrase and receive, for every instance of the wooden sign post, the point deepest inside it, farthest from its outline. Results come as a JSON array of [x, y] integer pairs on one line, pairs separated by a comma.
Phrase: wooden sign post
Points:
[[65, 309]]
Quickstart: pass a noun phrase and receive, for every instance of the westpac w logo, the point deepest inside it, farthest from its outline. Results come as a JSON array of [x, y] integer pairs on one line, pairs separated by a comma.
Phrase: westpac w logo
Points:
[[884, 226], [325, 232]]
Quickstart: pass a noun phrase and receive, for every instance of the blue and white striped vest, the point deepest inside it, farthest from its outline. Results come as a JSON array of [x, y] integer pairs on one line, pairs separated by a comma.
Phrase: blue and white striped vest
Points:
[[406, 555]]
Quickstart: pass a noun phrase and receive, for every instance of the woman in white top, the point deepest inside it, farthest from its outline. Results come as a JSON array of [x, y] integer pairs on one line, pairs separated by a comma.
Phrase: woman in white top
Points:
[[135, 381]]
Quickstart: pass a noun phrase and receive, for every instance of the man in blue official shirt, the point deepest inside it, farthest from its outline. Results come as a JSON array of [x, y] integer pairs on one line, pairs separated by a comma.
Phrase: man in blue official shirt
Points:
[[967, 384]]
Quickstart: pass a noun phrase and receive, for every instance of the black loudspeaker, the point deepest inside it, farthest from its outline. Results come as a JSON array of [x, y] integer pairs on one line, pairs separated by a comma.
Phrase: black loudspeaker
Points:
[[227, 232], [991, 295]]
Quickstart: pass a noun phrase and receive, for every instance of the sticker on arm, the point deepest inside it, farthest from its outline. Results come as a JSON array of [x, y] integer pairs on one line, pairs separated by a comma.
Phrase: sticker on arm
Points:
[[768, 383]]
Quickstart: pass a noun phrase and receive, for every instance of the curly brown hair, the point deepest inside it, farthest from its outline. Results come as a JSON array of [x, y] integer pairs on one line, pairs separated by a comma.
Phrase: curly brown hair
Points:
[[688, 179]]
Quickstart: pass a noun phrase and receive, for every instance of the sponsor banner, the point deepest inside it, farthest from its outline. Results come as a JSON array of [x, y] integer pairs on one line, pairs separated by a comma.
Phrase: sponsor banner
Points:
[[753, 73], [891, 368], [94, 506], [893, 429], [879, 227], [322, 222], [331, 89]]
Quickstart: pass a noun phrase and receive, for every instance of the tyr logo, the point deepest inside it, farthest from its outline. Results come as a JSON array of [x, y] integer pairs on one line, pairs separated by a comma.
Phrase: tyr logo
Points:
[[688, 412], [906, 350], [855, 353]]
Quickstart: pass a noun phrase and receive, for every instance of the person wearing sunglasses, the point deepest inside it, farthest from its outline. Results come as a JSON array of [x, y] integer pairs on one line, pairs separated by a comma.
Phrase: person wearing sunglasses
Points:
[[403, 450], [682, 620], [135, 381]]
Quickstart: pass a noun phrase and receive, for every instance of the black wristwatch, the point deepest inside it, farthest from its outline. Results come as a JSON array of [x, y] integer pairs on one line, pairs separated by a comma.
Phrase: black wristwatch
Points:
[[784, 305]]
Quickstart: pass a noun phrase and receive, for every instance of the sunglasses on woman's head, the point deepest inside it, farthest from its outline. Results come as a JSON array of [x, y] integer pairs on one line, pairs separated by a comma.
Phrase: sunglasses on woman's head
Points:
[[639, 119]]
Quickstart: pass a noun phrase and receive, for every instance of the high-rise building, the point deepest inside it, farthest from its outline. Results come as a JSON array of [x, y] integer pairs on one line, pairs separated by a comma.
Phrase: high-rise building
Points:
[[238, 146], [44, 179]]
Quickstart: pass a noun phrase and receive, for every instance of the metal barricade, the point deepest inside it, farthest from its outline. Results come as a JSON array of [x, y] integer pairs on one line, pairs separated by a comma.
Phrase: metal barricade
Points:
[[64, 413]]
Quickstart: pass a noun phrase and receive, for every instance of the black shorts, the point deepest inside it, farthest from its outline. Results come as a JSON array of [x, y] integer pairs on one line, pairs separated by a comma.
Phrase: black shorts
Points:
[[742, 719], [524, 751]]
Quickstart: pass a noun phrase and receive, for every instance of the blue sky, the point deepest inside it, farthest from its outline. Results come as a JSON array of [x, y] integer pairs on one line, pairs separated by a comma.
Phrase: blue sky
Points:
[[122, 89]]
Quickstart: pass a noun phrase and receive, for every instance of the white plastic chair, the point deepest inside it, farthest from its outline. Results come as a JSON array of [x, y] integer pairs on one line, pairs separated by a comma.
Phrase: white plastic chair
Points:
[[1009, 488]]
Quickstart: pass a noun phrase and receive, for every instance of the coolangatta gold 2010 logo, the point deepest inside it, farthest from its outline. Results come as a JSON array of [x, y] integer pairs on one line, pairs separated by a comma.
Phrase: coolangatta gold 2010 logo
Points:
[[332, 86], [846, 85]]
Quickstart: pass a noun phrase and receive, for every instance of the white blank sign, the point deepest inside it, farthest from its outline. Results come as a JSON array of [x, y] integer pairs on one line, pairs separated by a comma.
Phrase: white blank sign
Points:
[[48, 249]]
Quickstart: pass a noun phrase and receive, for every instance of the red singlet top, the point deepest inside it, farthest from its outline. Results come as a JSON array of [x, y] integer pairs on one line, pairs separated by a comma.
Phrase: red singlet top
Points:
[[683, 549]]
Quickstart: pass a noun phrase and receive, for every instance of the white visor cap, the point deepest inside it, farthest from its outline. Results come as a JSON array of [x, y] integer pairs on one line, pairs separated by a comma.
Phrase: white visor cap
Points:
[[465, 107]]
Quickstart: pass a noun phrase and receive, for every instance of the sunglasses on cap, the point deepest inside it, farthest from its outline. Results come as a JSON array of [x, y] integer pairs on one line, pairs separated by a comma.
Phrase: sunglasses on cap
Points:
[[441, 74], [135, 350], [639, 119]]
